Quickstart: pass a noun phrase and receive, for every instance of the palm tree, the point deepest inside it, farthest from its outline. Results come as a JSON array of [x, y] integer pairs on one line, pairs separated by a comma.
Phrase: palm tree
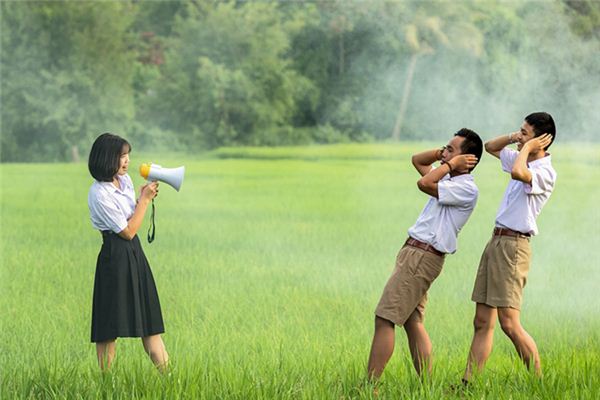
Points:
[[423, 37]]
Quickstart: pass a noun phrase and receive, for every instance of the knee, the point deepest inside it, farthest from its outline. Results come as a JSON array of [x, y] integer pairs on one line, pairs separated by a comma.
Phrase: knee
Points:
[[382, 323], [153, 344], [414, 327], [481, 323], [158, 353], [509, 327]]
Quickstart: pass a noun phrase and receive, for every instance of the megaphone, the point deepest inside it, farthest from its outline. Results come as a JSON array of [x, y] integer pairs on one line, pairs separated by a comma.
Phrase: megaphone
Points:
[[170, 176]]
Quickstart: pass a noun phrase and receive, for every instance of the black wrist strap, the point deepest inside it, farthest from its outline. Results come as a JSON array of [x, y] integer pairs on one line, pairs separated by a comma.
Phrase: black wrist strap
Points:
[[152, 225]]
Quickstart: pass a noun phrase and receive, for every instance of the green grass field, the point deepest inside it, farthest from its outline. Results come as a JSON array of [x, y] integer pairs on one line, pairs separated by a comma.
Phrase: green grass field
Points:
[[269, 264]]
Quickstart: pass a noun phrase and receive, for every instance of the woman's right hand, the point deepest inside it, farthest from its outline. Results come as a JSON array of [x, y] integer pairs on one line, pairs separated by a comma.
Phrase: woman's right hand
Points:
[[149, 191]]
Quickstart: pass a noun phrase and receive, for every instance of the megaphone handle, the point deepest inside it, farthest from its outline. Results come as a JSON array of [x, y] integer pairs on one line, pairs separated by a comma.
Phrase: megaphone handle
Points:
[[152, 228]]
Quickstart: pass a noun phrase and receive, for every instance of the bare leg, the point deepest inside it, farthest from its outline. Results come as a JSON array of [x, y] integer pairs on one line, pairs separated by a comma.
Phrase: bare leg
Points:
[[418, 343], [106, 353], [483, 338], [155, 348], [382, 347], [524, 344]]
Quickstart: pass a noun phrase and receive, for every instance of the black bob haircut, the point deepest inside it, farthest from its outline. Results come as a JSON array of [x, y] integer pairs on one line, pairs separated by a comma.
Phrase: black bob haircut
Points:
[[542, 122], [105, 155], [471, 145]]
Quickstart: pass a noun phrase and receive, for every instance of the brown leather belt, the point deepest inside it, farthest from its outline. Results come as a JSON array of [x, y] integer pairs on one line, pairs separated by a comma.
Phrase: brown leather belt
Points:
[[423, 246], [509, 232]]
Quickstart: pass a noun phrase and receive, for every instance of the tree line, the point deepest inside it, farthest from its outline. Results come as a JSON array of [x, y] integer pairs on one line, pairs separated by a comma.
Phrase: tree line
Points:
[[195, 75]]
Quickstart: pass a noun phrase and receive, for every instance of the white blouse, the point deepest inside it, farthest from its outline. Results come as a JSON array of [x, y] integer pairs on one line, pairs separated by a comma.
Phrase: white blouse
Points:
[[111, 207]]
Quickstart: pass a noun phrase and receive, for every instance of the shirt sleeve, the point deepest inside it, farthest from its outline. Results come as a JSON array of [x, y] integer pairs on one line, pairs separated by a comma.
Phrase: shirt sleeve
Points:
[[109, 213], [456, 193], [507, 158], [542, 181]]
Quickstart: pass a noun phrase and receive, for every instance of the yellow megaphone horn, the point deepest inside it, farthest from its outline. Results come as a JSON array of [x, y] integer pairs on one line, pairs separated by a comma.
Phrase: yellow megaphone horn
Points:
[[170, 176]]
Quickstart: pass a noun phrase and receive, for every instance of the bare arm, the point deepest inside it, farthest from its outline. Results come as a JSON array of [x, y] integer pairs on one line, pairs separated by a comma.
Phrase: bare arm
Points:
[[148, 192], [519, 171], [422, 161], [429, 183], [495, 146]]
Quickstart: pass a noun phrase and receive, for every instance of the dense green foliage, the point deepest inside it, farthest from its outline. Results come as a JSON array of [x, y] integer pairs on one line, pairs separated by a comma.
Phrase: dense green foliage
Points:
[[197, 75], [269, 267]]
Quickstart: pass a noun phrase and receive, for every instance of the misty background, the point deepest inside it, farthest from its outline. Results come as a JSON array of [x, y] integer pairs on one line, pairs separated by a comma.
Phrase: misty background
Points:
[[194, 76]]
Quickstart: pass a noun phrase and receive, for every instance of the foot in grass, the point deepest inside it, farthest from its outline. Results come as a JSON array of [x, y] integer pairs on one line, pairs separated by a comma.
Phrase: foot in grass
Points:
[[457, 388]]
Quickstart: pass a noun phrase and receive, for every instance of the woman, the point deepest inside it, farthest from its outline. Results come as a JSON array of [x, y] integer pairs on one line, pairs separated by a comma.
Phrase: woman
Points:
[[125, 301]]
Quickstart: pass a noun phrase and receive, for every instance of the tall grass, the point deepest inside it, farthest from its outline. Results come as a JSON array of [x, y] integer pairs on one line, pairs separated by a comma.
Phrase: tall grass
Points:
[[269, 265]]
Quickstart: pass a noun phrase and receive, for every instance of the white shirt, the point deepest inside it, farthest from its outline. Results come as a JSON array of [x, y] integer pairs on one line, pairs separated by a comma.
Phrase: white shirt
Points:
[[111, 207], [523, 202], [442, 218]]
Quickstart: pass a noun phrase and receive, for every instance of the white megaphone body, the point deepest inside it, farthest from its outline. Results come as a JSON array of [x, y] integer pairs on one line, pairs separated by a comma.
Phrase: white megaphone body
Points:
[[170, 176]]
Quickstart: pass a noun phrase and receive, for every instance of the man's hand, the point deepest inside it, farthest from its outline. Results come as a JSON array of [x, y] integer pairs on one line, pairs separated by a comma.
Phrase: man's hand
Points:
[[537, 144], [422, 161], [514, 137], [495, 145], [520, 170], [440, 153], [463, 163]]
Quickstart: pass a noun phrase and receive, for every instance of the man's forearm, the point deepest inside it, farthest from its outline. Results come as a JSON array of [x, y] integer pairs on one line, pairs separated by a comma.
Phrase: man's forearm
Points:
[[422, 161], [498, 143], [429, 182], [427, 158], [519, 171], [435, 175]]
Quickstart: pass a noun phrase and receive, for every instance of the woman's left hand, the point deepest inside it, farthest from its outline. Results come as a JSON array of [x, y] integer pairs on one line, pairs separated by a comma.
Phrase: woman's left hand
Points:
[[144, 186]]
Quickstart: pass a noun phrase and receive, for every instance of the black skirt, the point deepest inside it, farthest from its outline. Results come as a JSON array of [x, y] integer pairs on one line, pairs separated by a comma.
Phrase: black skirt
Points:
[[125, 298]]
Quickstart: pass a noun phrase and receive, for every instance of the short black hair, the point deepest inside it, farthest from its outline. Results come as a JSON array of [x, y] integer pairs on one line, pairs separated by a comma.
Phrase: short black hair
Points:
[[542, 122], [103, 162], [471, 145]]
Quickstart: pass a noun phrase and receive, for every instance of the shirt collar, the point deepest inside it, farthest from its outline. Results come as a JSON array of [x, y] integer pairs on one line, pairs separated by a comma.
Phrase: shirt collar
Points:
[[467, 177], [113, 188], [541, 161]]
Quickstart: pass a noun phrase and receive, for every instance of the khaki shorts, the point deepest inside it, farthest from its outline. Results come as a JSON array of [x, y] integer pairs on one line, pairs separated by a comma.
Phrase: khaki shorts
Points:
[[502, 272], [406, 291]]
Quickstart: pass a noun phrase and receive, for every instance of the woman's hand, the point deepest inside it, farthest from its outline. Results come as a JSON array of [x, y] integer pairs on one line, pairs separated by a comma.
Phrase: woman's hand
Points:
[[149, 191]]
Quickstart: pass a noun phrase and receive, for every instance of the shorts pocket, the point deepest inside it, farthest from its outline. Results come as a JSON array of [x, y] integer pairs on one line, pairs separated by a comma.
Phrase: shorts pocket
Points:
[[522, 261], [429, 268], [413, 261], [508, 250]]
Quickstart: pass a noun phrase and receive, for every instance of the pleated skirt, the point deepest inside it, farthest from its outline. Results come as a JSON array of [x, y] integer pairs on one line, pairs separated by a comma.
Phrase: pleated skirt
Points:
[[125, 301]]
